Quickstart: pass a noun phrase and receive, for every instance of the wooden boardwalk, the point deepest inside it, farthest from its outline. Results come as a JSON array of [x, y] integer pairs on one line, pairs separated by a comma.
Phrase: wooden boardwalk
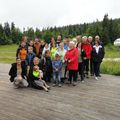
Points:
[[92, 100]]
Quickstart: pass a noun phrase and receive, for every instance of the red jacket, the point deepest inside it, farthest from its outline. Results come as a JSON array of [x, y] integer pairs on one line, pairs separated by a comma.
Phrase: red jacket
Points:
[[72, 55], [88, 49]]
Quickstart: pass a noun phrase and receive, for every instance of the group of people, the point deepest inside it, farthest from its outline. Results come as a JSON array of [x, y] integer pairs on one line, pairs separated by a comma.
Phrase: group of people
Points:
[[39, 63]]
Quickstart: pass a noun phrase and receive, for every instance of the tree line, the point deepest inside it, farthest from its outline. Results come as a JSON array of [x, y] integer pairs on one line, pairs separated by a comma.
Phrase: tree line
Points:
[[107, 29]]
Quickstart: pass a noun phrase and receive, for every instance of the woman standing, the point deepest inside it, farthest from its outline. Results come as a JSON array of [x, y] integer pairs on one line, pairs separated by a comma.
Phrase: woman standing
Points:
[[97, 56], [18, 73], [71, 57], [37, 48]]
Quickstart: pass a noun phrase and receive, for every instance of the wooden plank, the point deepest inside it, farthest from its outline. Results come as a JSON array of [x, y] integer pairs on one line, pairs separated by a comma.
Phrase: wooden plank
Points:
[[92, 100]]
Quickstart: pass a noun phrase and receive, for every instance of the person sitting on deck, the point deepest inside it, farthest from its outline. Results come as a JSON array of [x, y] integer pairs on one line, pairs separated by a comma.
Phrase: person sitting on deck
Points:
[[18, 74], [38, 75]]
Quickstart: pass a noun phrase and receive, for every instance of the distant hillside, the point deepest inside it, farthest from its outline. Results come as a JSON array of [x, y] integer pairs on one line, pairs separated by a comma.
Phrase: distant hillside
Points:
[[107, 29]]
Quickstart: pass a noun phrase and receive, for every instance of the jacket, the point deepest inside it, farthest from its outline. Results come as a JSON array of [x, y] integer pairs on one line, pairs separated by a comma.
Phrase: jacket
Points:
[[13, 71], [97, 57], [29, 58], [72, 55], [57, 64], [88, 49], [21, 53], [46, 65]]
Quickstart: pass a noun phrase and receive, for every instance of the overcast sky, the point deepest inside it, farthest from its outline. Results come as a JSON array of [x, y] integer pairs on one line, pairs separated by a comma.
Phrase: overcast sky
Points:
[[44, 13]]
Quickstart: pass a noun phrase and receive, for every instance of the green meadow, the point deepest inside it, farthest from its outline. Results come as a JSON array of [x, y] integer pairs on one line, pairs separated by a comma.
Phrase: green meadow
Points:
[[8, 53]]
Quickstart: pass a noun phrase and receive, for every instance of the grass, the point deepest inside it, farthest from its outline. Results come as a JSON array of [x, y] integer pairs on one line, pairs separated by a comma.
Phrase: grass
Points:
[[110, 67], [112, 51], [7, 55]]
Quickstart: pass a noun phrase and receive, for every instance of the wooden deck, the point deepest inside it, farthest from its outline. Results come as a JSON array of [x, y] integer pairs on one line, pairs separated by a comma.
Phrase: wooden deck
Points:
[[92, 100]]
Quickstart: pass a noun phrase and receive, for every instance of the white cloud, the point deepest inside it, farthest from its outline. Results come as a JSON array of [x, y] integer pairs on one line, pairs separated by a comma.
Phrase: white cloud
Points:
[[43, 13]]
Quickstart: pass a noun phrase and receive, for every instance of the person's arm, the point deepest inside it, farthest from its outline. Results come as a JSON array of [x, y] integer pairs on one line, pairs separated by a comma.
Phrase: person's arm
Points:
[[53, 65], [74, 57], [24, 71], [65, 57], [12, 73], [17, 52], [27, 60], [60, 65], [41, 75]]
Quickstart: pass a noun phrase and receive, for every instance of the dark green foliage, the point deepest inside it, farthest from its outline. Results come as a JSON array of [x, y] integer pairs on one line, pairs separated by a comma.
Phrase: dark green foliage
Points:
[[108, 30]]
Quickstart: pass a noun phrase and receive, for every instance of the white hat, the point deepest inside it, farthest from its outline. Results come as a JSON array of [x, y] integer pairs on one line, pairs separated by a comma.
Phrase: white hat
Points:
[[57, 53]]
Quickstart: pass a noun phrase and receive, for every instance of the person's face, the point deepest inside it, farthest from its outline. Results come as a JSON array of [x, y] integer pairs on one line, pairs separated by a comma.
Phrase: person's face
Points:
[[31, 43], [18, 61], [97, 38], [75, 41], [85, 40], [36, 40], [90, 39], [71, 45], [64, 41], [36, 68], [57, 57], [36, 61], [46, 45], [48, 54], [30, 50], [52, 40], [78, 38], [25, 39], [59, 37], [23, 44], [61, 45], [42, 43]]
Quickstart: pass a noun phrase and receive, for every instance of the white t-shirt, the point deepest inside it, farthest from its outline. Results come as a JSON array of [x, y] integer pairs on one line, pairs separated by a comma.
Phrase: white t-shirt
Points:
[[97, 48]]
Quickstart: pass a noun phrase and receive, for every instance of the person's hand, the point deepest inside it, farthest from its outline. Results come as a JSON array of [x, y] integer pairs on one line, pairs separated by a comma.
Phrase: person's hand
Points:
[[66, 60], [69, 61], [28, 68], [85, 58], [40, 78]]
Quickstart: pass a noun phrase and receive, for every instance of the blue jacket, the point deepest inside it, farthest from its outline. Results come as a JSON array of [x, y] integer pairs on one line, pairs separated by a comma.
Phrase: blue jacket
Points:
[[29, 58], [57, 65]]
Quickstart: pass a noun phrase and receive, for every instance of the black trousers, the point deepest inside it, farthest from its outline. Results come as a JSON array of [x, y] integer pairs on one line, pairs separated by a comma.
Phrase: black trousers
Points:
[[73, 75], [86, 66], [65, 71], [91, 67], [81, 70], [96, 66], [47, 76]]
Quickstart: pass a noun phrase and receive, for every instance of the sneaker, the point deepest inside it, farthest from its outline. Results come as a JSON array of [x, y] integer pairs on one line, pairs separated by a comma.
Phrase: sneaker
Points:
[[59, 85], [48, 87], [96, 78], [82, 81], [74, 84], [54, 85], [46, 90]]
